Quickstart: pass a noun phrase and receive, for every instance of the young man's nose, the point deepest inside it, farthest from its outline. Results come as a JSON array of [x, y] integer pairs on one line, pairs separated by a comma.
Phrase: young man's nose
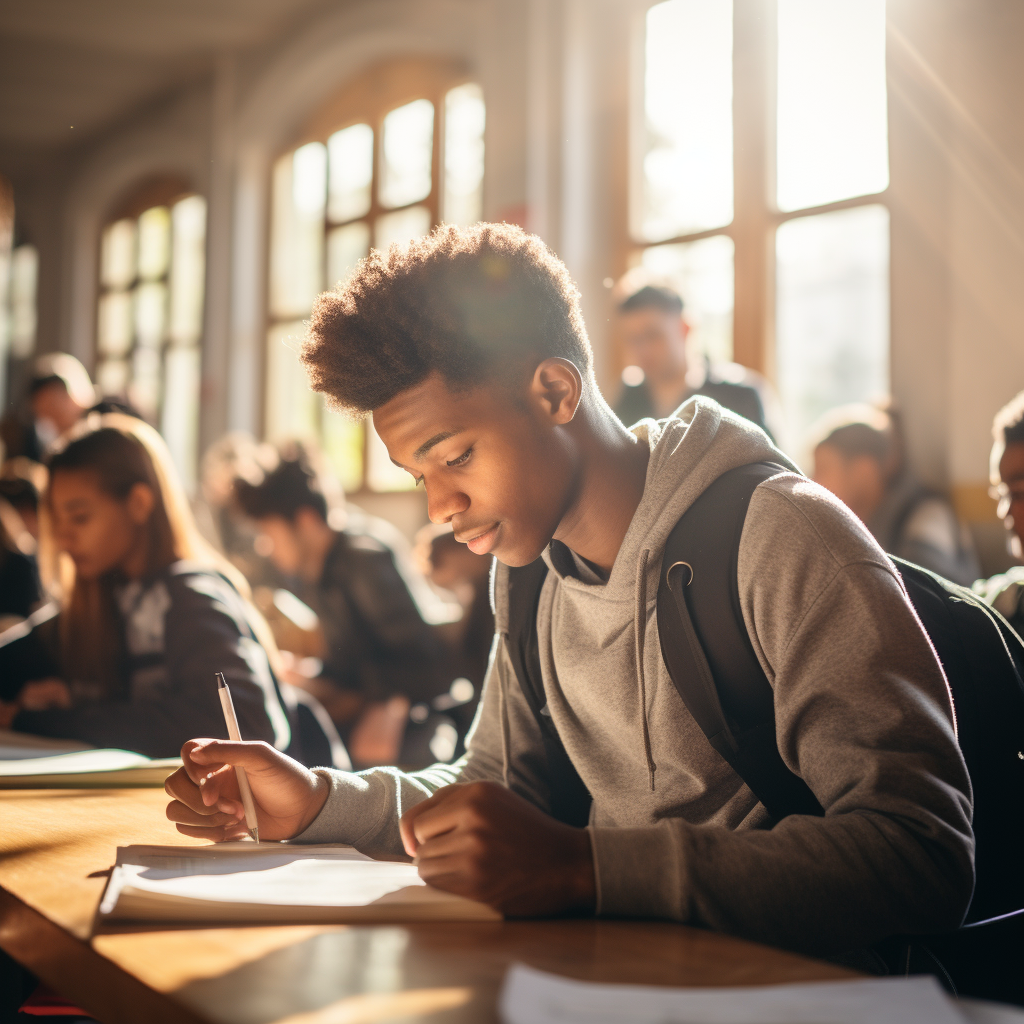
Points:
[[445, 502]]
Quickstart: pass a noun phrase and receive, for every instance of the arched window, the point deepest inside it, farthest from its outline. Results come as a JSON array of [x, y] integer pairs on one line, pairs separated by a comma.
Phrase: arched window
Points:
[[150, 311], [398, 151]]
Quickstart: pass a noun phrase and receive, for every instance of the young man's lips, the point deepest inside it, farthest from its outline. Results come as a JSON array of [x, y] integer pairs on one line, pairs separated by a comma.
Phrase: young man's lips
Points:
[[482, 543]]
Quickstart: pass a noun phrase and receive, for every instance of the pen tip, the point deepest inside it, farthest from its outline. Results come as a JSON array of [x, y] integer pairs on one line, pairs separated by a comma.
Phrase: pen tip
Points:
[[255, 833]]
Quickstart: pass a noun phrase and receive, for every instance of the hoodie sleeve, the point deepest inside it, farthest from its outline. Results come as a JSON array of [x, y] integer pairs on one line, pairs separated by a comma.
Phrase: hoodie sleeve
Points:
[[363, 809], [863, 715]]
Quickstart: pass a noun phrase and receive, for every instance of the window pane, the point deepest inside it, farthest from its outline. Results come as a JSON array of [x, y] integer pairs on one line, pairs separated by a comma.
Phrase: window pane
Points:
[[179, 422], [291, 406], [343, 446], [345, 248], [112, 377], [144, 390], [401, 227], [832, 332], [297, 231], [408, 151], [150, 314], [464, 117], [24, 272], [188, 269], [702, 273], [686, 179], [117, 254], [154, 242], [350, 157], [115, 323], [381, 473], [832, 126]]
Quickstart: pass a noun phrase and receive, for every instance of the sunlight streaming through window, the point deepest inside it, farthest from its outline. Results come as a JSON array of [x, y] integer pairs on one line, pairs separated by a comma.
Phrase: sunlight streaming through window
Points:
[[832, 121], [687, 175]]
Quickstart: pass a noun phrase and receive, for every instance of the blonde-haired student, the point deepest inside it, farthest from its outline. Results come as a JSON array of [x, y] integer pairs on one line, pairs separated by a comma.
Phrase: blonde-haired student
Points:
[[146, 610]]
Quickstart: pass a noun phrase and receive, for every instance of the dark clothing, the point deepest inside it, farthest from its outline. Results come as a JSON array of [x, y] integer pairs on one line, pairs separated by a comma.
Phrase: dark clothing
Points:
[[375, 641], [635, 403], [178, 628], [919, 525], [19, 583], [1005, 593]]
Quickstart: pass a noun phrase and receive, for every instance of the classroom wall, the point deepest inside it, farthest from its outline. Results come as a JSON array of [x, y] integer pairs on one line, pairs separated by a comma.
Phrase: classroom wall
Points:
[[557, 80], [957, 153]]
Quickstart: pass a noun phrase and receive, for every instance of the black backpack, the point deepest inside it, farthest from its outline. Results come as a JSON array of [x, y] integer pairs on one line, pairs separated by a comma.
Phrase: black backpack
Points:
[[711, 660]]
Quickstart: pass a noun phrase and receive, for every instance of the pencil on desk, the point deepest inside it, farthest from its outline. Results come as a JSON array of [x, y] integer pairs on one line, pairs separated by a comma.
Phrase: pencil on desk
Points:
[[233, 734]]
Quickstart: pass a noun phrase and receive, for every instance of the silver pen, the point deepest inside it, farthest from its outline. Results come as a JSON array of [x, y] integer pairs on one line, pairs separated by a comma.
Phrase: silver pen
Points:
[[243, 781]]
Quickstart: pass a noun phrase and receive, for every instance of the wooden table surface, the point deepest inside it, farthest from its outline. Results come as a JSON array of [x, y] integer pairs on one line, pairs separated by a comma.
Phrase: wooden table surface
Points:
[[56, 847]]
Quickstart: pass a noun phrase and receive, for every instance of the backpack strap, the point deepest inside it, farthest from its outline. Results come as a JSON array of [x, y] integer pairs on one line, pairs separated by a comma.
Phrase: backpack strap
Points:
[[707, 649], [569, 797]]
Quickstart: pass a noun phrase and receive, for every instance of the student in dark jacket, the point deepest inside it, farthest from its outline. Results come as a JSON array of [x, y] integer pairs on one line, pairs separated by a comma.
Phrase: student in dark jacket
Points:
[[380, 656], [149, 613], [654, 333]]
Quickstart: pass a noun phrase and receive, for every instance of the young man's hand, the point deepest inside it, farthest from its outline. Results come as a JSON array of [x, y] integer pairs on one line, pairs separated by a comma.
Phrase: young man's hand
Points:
[[207, 804], [482, 841]]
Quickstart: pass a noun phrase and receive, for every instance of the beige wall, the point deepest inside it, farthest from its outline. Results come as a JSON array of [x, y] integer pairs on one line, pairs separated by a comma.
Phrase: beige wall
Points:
[[557, 79], [957, 143]]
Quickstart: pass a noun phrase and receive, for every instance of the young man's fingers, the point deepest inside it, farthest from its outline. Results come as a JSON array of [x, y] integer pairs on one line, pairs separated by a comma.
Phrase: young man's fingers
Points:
[[181, 787], [207, 818], [428, 818], [221, 834], [252, 755]]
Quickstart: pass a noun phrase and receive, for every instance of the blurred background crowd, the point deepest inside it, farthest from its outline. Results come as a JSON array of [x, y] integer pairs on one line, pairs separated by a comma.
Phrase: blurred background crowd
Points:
[[809, 212]]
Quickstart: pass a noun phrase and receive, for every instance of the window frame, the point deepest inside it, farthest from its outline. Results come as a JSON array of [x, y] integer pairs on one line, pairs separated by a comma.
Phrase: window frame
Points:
[[367, 99], [756, 215]]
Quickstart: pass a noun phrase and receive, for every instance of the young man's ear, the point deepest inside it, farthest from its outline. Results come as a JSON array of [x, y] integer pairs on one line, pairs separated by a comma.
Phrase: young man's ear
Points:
[[557, 386], [141, 501]]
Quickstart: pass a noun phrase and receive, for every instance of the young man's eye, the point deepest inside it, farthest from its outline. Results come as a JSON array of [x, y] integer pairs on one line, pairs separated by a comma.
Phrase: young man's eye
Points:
[[461, 460]]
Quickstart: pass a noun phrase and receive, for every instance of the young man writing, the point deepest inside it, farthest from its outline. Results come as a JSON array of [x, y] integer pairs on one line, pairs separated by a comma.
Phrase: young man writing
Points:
[[469, 349]]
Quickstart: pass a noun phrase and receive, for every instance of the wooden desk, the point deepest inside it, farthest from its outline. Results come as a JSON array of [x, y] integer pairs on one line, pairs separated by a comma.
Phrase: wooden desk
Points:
[[56, 847]]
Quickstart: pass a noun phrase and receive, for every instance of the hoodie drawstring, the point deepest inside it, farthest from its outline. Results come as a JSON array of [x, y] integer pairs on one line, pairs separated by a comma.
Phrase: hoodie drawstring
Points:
[[640, 630], [503, 715]]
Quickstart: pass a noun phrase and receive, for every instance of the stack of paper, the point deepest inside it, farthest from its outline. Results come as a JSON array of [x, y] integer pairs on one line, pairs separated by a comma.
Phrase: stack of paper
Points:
[[533, 997], [274, 883], [33, 762]]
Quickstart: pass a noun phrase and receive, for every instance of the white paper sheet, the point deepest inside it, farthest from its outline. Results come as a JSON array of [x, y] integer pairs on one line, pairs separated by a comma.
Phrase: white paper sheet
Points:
[[45, 762], [293, 876], [17, 745], [534, 997]]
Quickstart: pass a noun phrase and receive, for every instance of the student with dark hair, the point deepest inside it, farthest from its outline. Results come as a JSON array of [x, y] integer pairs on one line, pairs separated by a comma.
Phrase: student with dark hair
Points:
[[655, 333], [148, 612], [469, 350], [1005, 592], [377, 645], [859, 456]]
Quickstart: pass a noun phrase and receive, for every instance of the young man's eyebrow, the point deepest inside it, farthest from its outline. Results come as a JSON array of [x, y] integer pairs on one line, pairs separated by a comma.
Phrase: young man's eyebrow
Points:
[[436, 439]]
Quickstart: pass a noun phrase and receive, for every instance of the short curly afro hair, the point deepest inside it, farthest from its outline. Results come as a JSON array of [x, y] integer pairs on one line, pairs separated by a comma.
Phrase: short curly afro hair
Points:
[[473, 304]]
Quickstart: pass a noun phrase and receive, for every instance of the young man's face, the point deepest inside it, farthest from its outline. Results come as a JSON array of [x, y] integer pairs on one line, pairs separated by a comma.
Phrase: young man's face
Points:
[[496, 468], [1011, 507], [280, 542], [655, 340]]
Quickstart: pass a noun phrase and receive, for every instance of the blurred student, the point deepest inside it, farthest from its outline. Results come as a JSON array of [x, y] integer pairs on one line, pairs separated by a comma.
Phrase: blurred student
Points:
[[21, 483], [1005, 592], [654, 333], [20, 592], [859, 457], [454, 568], [380, 656], [148, 611]]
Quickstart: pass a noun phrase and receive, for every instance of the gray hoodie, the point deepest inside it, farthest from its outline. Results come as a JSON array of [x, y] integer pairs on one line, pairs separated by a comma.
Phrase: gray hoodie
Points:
[[863, 715]]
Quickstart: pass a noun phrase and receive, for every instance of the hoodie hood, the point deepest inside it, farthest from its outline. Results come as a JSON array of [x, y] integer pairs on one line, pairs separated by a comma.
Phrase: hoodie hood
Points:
[[689, 451]]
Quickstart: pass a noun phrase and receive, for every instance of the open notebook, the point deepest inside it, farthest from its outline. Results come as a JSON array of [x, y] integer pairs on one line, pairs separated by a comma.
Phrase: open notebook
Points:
[[33, 762], [273, 883]]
